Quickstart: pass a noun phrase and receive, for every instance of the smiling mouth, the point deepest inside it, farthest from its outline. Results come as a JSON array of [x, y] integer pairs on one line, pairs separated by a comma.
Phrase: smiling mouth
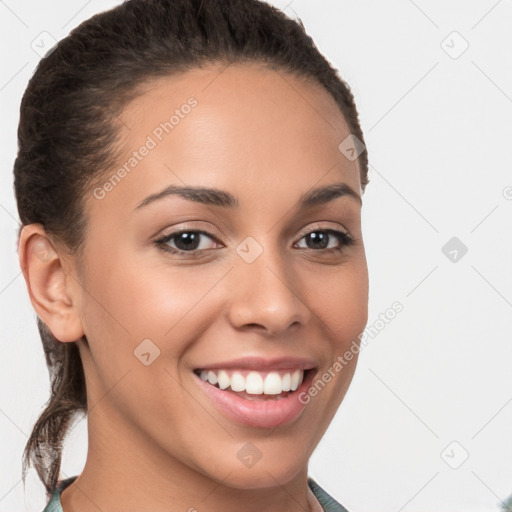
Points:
[[258, 393], [255, 385]]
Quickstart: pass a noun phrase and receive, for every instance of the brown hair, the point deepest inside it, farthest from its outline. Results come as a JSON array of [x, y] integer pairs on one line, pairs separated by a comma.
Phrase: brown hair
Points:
[[68, 131]]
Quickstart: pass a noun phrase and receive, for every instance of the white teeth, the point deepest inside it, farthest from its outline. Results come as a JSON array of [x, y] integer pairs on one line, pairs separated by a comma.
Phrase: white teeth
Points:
[[286, 382], [223, 379], [237, 382], [255, 383], [296, 378], [273, 384]]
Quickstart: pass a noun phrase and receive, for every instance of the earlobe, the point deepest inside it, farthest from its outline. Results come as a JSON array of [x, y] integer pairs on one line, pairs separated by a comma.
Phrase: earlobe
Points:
[[49, 287]]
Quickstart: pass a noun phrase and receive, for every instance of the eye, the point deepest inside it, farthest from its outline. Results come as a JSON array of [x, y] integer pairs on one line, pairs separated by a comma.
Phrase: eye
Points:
[[193, 242], [186, 241], [326, 239]]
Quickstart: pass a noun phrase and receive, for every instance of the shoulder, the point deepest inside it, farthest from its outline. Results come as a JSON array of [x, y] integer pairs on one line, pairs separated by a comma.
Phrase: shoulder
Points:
[[54, 505], [329, 504]]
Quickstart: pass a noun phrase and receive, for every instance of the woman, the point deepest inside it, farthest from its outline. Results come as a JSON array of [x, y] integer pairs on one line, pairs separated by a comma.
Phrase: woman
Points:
[[189, 181]]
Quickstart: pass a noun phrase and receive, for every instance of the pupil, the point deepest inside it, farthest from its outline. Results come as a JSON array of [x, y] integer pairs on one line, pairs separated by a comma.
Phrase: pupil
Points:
[[319, 238], [187, 241]]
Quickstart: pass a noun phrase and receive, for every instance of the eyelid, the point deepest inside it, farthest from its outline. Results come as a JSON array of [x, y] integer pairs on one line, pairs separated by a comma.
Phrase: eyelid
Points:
[[319, 226], [206, 228], [303, 232], [162, 239]]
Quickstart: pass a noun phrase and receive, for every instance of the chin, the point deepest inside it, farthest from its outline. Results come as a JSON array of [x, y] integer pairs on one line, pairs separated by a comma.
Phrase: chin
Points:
[[263, 474]]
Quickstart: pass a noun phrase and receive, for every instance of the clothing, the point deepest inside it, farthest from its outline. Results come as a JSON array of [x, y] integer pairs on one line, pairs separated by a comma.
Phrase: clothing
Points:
[[329, 504]]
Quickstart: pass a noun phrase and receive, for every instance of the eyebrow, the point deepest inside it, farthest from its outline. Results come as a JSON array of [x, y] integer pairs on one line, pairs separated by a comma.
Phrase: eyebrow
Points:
[[217, 197]]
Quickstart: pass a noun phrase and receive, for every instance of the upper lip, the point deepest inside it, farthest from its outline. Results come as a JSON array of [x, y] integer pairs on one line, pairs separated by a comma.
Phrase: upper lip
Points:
[[262, 364]]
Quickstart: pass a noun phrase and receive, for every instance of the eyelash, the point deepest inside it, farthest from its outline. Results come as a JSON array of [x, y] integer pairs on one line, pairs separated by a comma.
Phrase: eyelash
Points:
[[344, 238]]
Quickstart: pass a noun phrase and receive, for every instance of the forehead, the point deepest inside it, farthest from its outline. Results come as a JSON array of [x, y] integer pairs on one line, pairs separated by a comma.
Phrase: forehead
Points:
[[240, 127]]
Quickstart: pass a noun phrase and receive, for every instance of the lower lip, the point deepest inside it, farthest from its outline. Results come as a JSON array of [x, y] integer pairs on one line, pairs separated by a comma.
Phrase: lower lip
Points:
[[258, 413]]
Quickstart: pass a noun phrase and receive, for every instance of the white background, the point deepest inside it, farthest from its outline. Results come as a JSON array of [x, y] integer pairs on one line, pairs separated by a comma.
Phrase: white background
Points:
[[438, 131]]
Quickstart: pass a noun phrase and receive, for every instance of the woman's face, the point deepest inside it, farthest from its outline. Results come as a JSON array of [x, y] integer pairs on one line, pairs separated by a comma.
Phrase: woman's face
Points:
[[258, 283]]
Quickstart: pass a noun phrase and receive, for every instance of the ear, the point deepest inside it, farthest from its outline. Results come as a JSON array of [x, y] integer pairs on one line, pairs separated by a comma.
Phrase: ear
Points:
[[51, 290]]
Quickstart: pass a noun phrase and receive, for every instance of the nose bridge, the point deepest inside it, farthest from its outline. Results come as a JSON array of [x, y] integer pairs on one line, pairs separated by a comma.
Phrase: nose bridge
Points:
[[265, 289]]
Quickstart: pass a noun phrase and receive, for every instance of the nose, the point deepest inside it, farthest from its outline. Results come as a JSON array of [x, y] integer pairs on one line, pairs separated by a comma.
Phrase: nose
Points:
[[266, 295]]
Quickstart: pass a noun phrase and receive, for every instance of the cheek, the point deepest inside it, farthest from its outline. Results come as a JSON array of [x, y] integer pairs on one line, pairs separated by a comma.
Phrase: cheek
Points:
[[132, 301], [341, 302]]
